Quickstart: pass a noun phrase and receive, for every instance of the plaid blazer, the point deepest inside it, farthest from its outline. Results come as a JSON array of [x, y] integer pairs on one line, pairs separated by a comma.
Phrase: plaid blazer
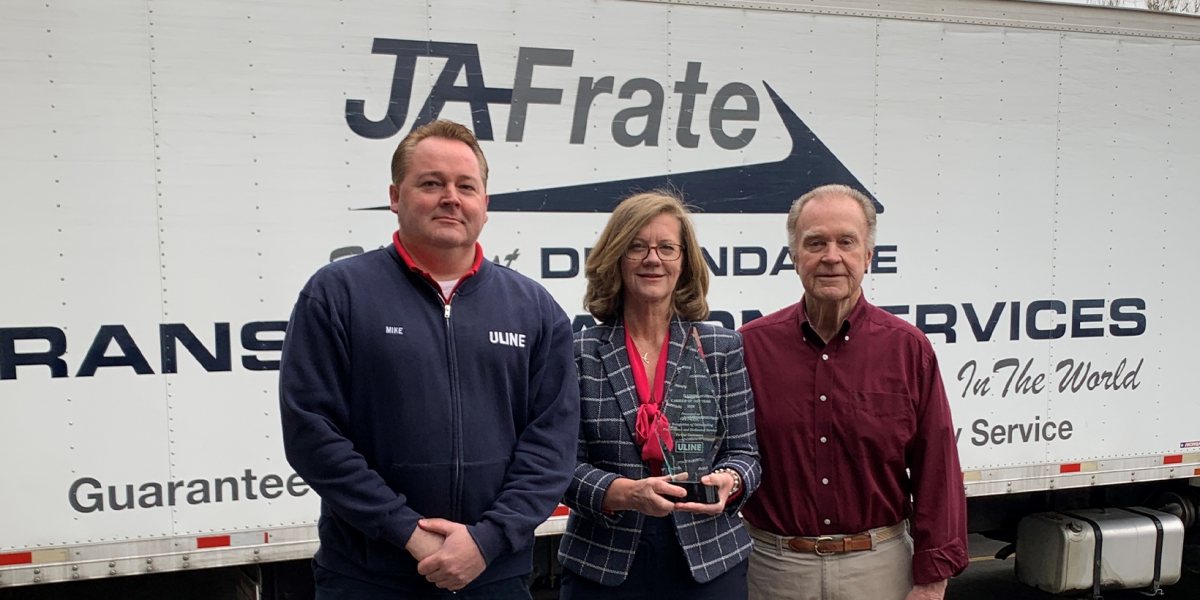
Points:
[[601, 547]]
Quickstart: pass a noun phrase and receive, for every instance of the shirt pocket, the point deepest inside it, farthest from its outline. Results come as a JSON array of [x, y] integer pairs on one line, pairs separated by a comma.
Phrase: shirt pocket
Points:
[[883, 423]]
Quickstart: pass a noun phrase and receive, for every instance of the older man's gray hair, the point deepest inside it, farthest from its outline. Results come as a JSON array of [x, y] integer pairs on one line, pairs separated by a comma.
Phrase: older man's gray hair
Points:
[[836, 189]]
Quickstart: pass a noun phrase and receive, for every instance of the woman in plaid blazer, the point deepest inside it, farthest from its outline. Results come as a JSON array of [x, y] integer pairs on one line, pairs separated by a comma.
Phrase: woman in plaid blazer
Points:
[[630, 535]]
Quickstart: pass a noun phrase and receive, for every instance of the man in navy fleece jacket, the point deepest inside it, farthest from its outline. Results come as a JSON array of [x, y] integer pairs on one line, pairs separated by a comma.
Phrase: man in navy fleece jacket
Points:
[[429, 396]]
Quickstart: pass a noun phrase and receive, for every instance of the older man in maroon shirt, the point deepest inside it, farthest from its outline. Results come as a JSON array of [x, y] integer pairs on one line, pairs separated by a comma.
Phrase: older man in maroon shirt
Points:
[[861, 493]]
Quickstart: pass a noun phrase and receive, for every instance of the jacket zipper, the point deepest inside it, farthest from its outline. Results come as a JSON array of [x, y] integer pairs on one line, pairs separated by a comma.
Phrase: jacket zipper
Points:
[[455, 409], [455, 414]]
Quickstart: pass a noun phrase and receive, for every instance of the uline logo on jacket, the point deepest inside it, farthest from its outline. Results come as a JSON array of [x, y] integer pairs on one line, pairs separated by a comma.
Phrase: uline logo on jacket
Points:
[[507, 338]]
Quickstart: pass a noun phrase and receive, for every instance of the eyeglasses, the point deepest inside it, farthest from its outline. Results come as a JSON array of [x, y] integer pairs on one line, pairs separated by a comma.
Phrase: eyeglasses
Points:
[[639, 251]]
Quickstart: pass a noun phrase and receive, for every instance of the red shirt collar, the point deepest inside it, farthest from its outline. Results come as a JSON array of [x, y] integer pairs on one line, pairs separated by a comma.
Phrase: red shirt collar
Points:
[[855, 313], [423, 273]]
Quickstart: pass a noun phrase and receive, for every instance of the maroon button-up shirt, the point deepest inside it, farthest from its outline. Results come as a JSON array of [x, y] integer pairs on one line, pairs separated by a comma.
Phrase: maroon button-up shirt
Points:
[[840, 423]]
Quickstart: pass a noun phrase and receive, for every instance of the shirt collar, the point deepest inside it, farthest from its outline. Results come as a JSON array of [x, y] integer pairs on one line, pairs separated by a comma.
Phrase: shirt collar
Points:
[[856, 315], [412, 266]]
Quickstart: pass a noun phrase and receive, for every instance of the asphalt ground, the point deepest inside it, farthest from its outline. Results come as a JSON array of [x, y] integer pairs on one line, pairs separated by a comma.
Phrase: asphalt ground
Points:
[[990, 579], [985, 579]]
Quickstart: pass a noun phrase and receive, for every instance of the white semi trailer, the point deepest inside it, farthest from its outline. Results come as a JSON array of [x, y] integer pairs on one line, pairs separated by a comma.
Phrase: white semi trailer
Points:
[[174, 171]]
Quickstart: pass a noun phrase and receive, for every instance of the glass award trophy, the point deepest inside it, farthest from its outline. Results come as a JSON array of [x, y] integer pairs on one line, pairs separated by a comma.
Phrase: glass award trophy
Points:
[[694, 420]]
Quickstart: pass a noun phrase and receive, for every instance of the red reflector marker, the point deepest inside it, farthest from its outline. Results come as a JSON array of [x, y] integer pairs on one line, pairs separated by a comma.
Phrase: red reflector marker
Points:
[[1173, 459], [16, 558], [215, 541], [1069, 468]]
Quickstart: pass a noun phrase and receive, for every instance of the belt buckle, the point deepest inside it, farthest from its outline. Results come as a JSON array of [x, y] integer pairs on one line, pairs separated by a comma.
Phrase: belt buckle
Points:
[[817, 546]]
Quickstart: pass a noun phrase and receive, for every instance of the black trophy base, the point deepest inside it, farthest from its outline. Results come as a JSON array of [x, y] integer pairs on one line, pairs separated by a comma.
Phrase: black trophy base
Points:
[[697, 492]]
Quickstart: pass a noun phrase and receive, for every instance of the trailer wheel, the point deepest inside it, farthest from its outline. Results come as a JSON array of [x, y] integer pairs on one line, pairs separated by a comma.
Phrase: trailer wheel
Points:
[[1180, 504]]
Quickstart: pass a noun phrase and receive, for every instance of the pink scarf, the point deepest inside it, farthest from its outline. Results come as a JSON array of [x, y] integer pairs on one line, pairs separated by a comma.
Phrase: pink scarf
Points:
[[652, 424]]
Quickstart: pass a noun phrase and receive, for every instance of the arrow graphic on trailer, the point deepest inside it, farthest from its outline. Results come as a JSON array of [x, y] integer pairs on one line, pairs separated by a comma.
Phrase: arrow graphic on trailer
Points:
[[758, 188]]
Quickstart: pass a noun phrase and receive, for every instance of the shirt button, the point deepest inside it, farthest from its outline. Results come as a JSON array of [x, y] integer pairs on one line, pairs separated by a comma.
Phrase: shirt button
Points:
[[822, 439], [825, 357], [822, 397], [825, 482], [826, 521], [847, 338]]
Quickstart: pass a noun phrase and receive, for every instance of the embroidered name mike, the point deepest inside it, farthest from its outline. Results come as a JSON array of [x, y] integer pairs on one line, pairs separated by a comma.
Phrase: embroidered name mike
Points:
[[393, 330], [507, 338]]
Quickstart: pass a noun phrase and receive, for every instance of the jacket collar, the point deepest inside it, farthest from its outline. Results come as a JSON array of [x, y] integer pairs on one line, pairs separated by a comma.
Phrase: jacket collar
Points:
[[479, 272], [412, 265]]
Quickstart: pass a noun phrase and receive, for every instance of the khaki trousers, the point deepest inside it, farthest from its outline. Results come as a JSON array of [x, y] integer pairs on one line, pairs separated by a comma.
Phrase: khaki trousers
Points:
[[779, 573]]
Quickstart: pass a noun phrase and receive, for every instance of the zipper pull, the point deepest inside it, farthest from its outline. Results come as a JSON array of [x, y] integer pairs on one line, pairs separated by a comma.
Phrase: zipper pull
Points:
[[447, 311]]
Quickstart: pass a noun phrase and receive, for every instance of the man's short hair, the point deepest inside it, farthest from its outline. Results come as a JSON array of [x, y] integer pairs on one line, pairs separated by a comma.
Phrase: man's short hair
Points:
[[603, 298], [441, 129], [825, 191]]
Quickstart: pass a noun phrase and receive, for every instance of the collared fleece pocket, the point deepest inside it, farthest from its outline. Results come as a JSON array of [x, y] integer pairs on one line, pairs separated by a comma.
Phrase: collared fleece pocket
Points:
[[428, 488], [481, 483]]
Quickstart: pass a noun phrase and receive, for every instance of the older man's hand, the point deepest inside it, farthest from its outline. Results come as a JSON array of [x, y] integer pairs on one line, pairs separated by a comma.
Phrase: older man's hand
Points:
[[458, 561], [928, 591]]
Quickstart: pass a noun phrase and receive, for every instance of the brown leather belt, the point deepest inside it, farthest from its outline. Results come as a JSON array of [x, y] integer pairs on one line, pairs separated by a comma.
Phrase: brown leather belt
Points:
[[830, 545], [825, 545]]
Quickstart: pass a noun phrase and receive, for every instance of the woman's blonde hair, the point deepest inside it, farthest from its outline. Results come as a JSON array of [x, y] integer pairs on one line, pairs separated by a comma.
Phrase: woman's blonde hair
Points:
[[605, 289]]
